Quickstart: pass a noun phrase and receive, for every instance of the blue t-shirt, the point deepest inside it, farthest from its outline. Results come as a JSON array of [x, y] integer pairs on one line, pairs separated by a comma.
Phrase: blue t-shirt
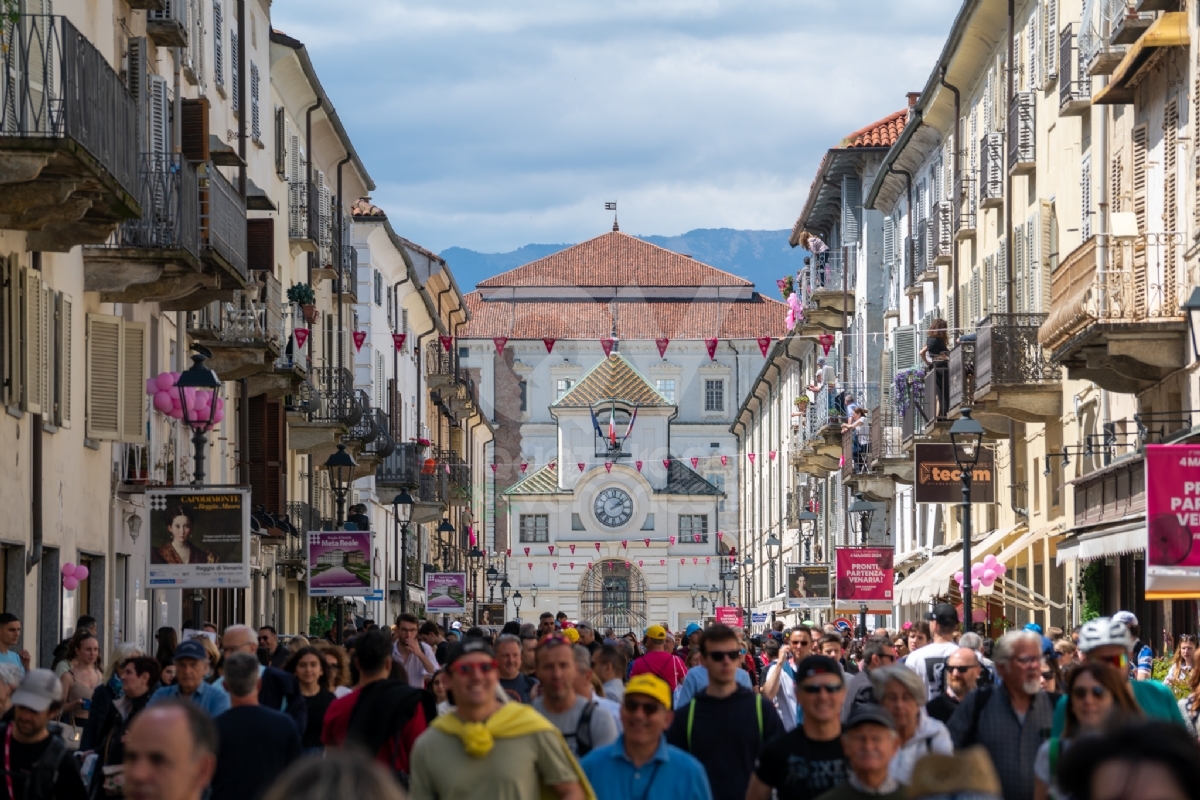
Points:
[[12, 657], [671, 774]]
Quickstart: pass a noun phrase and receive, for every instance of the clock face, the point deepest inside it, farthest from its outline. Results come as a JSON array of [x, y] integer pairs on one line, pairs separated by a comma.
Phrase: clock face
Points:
[[613, 507]]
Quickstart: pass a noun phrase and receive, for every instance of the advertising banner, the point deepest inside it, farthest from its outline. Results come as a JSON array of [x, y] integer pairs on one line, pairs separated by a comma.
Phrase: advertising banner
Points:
[[1172, 521], [938, 479], [758, 617], [339, 563], [807, 585], [491, 614], [199, 538], [864, 577], [446, 592], [728, 615]]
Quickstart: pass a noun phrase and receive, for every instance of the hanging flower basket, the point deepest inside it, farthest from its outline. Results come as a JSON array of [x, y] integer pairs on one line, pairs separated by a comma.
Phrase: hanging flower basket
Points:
[[310, 313], [908, 385]]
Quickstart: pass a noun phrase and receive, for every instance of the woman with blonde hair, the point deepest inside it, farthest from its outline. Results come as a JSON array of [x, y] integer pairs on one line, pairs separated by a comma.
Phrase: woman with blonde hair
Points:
[[214, 657], [813, 244], [82, 677], [338, 663], [1180, 672], [107, 692]]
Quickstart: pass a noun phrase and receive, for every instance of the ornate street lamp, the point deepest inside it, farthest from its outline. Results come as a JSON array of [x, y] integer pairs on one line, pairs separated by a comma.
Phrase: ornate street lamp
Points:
[[695, 594], [865, 512], [517, 603], [341, 467], [402, 507], [808, 529], [473, 558], [533, 591], [967, 436], [492, 575], [714, 594], [199, 393], [445, 527], [774, 550]]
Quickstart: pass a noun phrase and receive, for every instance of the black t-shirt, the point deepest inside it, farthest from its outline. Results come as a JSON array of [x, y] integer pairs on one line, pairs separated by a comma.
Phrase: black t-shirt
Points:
[[67, 786], [941, 707], [257, 744], [935, 347], [799, 768], [518, 688], [315, 708]]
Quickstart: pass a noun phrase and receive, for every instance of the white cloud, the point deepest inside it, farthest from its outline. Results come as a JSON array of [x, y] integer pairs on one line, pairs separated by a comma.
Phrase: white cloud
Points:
[[494, 123]]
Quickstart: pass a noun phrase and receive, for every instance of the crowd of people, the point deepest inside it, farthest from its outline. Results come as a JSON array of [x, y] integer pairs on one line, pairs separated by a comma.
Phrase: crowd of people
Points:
[[559, 709]]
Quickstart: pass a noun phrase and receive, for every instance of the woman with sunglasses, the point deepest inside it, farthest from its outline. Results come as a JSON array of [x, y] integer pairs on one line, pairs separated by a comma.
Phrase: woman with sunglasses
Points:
[[902, 692], [1180, 673], [1098, 696]]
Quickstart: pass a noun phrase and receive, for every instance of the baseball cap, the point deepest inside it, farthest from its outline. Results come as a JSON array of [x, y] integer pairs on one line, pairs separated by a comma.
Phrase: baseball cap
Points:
[[691, 628], [815, 665], [467, 647], [1125, 618], [651, 686], [943, 614], [656, 632], [572, 635], [456, 626], [1033, 626], [39, 690], [869, 714], [190, 648]]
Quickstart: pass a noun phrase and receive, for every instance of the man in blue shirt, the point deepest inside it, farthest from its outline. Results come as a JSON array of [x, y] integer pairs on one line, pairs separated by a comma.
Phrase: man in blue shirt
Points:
[[10, 635], [697, 679], [640, 763], [191, 665]]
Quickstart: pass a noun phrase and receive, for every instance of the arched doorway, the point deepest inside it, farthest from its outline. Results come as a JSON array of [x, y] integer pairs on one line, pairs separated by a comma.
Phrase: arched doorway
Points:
[[613, 595]]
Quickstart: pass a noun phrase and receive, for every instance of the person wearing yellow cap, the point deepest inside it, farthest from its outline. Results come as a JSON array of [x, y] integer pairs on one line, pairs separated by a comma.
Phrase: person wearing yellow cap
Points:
[[487, 749], [659, 660], [572, 635], [640, 763]]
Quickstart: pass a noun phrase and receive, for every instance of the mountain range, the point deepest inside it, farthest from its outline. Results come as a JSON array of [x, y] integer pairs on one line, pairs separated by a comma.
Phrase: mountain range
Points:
[[758, 256]]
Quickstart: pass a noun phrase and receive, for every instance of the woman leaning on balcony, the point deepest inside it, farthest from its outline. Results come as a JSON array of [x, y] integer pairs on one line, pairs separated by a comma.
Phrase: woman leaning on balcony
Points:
[[936, 354]]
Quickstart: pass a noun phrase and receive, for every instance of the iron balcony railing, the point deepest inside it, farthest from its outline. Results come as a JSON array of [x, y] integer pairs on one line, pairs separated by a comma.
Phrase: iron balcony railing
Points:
[[223, 219], [363, 430], [886, 434], [169, 194], [242, 320], [457, 474], [383, 445], [964, 207], [1022, 135], [1074, 84], [55, 84], [1008, 352], [298, 193], [941, 236], [402, 467], [921, 250], [825, 272], [962, 374], [328, 396]]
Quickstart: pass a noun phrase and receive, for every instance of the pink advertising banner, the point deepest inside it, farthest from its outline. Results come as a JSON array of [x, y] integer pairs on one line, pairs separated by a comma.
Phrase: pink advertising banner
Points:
[[1172, 521], [729, 615], [864, 577]]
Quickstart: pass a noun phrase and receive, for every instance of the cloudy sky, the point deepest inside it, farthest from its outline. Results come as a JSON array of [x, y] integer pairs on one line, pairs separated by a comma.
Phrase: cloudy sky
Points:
[[491, 124]]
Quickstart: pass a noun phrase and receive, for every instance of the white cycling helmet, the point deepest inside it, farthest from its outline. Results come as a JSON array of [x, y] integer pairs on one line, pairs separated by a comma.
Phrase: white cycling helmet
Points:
[[1103, 631]]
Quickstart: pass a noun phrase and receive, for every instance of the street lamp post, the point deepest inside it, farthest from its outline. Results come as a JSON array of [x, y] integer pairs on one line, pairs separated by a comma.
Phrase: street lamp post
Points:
[[517, 603], [695, 594], [774, 550], [199, 400], [714, 594], [865, 511], [445, 527], [493, 578], [748, 564], [473, 559], [341, 470], [402, 507], [967, 436], [808, 529], [533, 592]]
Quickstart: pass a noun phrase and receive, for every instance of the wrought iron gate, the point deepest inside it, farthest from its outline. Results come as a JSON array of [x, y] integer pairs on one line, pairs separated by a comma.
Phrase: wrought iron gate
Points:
[[613, 595]]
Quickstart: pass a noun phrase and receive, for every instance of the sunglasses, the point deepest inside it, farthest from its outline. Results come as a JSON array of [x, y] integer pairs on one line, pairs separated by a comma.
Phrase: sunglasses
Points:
[[467, 670], [1080, 692], [1047, 676], [648, 709], [960, 669], [817, 688], [722, 655]]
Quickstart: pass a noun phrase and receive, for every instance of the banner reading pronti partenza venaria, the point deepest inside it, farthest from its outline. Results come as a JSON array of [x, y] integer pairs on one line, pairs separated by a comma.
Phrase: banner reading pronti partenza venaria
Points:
[[938, 479], [1172, 521], [864, 577], [339, 563], [199, 538]]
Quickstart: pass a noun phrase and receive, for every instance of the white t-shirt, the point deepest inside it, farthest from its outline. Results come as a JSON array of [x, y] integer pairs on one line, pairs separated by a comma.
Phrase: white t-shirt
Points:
[[929, 662]]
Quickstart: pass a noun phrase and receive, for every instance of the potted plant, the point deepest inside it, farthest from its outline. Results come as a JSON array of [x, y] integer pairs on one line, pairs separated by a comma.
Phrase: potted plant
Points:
[[302, 294], [422, 444], [802, 403], [138, 467]]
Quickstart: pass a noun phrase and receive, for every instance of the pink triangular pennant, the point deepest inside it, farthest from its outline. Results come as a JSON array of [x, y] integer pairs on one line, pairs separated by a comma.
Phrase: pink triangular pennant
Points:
[[446, 342], [841, 460], [554, 566], [571, 565], [531, 565], [696, 560], [638, 464], [398, 340], [524, 466], [764, 342], [662, 346], [724, 460], [580, 465], [683, 561], [608, 466], [550, 548], [708, 559], [553, 465], [662, 562], [666, 463], [301, 335], [508, 552], [625, 543], [751, 456], [606, 344], [549, 342], [695, 462], [499, 342], [711, 346], [572, 549], [526, 551], [627, 565], [597, 547], [359, 337], [671, 539], [493, 466], [773, 452], [646, 541], [826, 340], [640, 562], [695, 537]]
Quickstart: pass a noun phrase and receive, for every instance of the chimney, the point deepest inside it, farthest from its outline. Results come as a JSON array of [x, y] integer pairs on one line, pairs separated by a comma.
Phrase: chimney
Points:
[[912, 99]]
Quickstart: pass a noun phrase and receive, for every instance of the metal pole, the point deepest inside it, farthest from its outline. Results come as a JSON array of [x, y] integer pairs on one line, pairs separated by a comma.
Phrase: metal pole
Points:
[[403, 559], [966, 526], [199, 442]]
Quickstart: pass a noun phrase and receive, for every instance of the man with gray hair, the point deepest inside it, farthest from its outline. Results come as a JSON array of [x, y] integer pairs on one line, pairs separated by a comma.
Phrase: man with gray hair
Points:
[[585, 689], [1011, 720], [974, 641], [257, 744]]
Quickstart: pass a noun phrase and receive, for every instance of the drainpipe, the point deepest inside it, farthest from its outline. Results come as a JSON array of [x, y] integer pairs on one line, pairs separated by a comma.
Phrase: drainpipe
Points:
[[35, 494], [341, 284], [310, 204], [737, 381], [845, 313], [957, 183], [1009, 274], [240, 55], [1100, 192], [908, 252], [421, 394]]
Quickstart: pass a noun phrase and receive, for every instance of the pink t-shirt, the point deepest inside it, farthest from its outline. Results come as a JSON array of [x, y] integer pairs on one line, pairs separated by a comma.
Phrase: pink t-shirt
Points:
[[667, 666]]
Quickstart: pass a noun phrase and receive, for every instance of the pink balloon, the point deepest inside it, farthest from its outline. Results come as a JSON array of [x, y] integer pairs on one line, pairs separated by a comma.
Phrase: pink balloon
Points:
[[151, 386], [976, 585], [958, 576], [1000, 569], [81, 573], [221, 403], [176, 413], [976, 570], [165, 381], [989, 577], [162, 402], [68, 569], [219, 416], [989, 560], [70, 584]]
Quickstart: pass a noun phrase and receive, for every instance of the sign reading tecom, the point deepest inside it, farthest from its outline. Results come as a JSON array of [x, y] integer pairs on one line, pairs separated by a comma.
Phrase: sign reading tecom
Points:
[[938, 479]]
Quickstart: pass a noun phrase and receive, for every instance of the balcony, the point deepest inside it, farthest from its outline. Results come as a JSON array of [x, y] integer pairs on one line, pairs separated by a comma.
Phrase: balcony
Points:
[[68, 128], [322, 410], [1014, 378], [1022, 135], [222, 227], [964, 206], [1123, 330], [962, 375], [246, 335], [401, 469], [826, 288], [1126, 23], [1143, 57], [882, 462], [345, 279], [941, 235], [991, 170], [456, 476], [1074, 84], [381, 445], [919, 412], [817, 448], [442, 371]]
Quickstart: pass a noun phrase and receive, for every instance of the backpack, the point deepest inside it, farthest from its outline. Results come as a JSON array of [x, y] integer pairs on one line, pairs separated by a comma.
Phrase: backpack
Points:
[[44, 773], [583, 731], [983, 694], [758, 701]]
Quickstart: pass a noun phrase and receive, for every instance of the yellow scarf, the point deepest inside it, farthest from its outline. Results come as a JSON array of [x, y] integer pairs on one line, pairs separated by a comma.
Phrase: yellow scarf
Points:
[[509, 722]]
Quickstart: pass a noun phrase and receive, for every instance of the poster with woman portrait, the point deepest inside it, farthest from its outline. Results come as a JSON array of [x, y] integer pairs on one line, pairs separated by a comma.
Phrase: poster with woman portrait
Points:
[[807, 585], [199, 538]]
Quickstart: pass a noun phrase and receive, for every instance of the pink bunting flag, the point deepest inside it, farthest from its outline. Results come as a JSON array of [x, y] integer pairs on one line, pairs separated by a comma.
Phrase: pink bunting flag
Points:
[[550, 548], [493, 466], [554, 566], [662, 562], [571, 565], [671, 539], [608, 466], [708, 559], [683, 561], [666, 463], [597, 547], [711, 346], [606, 344], [359, 337], [638, 464], [524, 466], [662, 343], [446, 342], [695, 462], [627, 565], [639, 562], [751, 456], [508, 552], [764, 342], [580, 465], [773, 452], [724, 460], [499, 342], [526, 551], [301, 335], [549, 342], [625, 544], [553, 465], [826, 340], [696, 537], [530, 566], [398, 340], [647, 541], [572, 549], [695, 560]]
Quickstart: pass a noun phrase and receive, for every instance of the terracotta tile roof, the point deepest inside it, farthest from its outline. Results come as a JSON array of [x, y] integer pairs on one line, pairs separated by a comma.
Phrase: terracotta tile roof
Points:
[[614, 378], [883, 133], [363, 207], [650, 319], [543, 480], [615, 259]]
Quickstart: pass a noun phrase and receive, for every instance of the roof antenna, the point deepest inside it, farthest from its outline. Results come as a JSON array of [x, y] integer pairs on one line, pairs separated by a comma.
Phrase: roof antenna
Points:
[[611, 205]]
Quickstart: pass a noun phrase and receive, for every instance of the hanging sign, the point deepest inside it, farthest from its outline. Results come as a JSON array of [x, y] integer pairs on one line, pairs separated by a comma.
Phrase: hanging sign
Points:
[[728, 615], [339, 563], [398, 340], [1172, 521], [807, 585], [446, 592], [199, 538], [938, 479], [301, 336], [864, 577]]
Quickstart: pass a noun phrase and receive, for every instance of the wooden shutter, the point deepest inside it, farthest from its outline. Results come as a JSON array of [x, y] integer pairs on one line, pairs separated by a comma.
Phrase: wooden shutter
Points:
[[159, 132], [14, 331], [64, 341], [1138, 178], [135, 81], [1019, 266], [1050, 41], [988, 293], [851, 209], [1046, 255], [33, 353], [195, 129], [267, 453], [260, 244], [1001, 302], [281, 141], [233, 71], [1170, 215], [976, 295], [1085, 198], [218, 43], [255, 118], [905, 347], [133, 382], [1116, 182], [103, 393]]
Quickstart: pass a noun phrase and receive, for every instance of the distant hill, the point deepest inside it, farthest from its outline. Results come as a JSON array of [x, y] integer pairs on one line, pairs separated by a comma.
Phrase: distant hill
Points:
[[758, 256]]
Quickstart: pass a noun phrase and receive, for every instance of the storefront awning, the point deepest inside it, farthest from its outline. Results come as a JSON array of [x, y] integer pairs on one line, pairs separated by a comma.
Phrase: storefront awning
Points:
[[935, 575], [1126, 537], [1015, 549]]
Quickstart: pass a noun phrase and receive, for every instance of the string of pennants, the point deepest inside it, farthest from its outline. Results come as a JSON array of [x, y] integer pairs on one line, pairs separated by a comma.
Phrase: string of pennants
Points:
[[583, 466], [611, 564]]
